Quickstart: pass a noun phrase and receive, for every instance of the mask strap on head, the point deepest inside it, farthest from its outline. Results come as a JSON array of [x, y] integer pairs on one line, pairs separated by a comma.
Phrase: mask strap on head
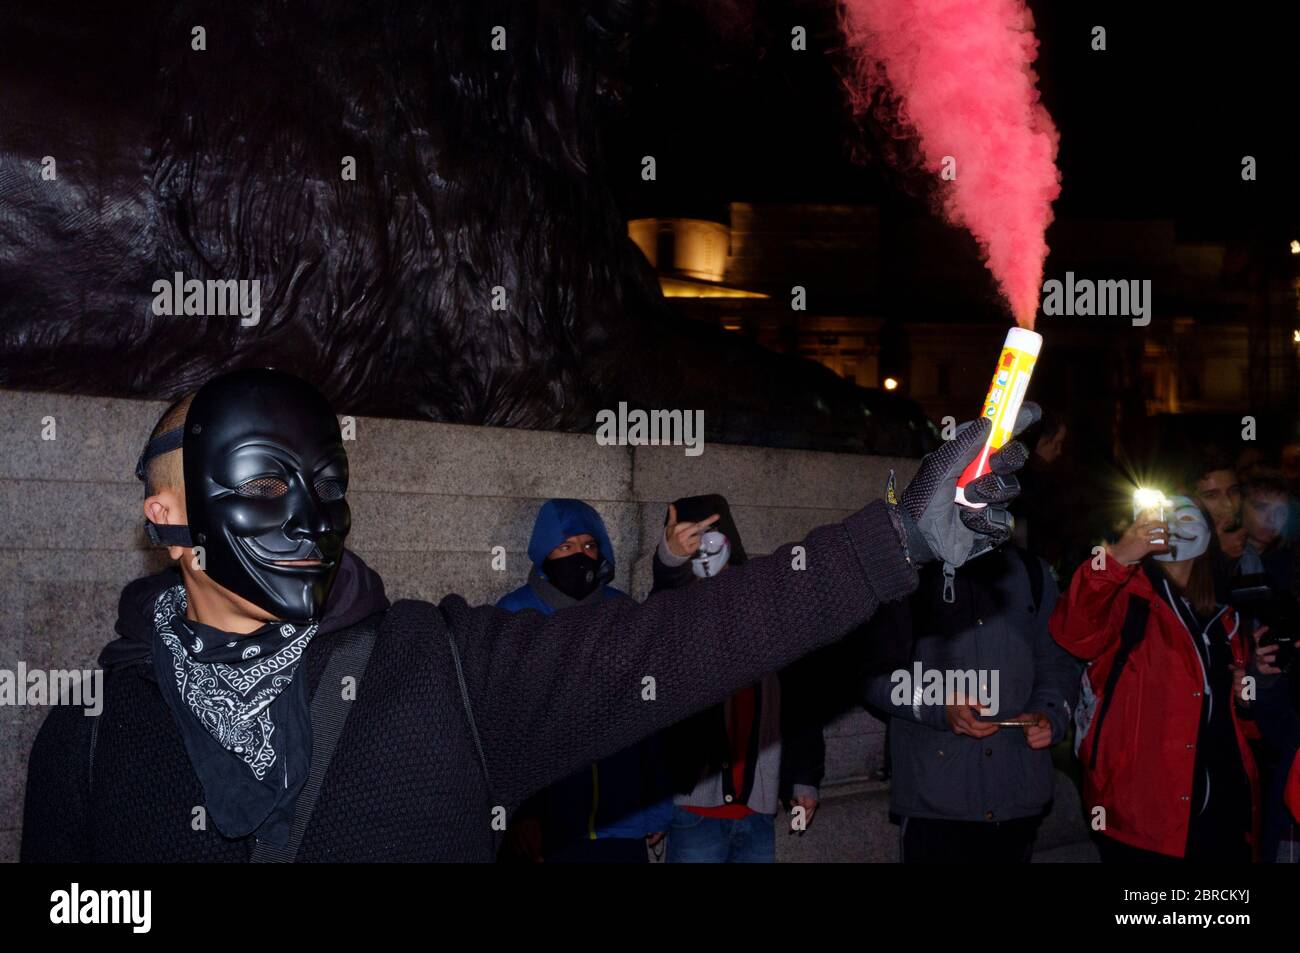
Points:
[[166, 442]]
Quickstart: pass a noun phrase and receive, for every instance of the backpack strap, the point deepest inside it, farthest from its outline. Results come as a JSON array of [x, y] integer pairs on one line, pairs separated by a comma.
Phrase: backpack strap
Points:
[[469, 709], [329, 712], [497, 835], [427, 619], [94, 740], [1134, 628]]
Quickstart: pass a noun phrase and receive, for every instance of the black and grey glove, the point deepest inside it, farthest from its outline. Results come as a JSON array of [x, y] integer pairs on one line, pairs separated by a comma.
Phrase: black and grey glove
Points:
[[937, 527]]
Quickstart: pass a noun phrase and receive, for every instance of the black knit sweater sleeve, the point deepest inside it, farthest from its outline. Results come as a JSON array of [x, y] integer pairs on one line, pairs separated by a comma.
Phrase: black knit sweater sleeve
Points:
[[55, 818], [551, 693]]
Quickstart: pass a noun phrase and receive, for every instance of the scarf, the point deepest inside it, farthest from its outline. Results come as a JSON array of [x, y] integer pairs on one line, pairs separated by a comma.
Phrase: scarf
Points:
[[242, 715]]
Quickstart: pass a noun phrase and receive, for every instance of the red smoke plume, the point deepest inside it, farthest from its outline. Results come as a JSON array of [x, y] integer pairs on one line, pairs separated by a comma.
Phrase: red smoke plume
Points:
[[961, 73]]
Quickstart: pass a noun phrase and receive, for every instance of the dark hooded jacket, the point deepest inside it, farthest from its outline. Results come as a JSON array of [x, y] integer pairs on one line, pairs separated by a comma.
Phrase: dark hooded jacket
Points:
[[623, 795], [699, 747], [556, 521], [462, 712], [236, 803], [996, 623]]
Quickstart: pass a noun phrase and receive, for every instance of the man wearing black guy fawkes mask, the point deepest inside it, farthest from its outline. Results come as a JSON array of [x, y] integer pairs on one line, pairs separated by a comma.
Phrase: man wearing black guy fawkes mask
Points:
[[264, 513], [266, 479], [433, 718]]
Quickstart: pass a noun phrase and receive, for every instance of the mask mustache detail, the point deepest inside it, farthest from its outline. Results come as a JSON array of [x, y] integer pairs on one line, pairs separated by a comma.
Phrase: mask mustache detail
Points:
[[306, 550]]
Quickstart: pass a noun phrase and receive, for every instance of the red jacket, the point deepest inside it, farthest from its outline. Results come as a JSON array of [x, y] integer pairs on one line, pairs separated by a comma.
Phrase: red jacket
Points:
[[1146, 755]]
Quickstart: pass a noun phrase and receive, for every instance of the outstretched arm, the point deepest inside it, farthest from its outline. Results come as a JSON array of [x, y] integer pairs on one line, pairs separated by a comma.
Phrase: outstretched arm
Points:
[[551, 693]]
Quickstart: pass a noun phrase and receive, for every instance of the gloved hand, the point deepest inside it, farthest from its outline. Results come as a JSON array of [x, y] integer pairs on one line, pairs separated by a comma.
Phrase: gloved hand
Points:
[[937, 526]]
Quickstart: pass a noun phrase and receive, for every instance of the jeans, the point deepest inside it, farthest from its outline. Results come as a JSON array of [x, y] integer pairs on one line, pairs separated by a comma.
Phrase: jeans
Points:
[[694, 839]]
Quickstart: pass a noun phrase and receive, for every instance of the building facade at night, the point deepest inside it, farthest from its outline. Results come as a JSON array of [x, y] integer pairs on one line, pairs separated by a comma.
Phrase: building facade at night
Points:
[[906, 304]]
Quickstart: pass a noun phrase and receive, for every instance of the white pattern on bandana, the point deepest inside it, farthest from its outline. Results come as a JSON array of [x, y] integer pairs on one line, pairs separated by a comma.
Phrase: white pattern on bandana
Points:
[[232, 703]]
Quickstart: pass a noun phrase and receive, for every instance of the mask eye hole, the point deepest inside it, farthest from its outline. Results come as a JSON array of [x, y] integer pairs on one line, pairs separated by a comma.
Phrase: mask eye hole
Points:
[[263, 488], [330, 490]]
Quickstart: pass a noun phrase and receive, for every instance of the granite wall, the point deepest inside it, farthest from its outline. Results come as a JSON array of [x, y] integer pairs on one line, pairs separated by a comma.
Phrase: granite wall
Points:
[[429, 503]]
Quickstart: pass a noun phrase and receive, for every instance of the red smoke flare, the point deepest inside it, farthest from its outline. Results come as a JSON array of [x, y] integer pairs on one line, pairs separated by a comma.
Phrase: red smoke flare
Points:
[[961, 73]]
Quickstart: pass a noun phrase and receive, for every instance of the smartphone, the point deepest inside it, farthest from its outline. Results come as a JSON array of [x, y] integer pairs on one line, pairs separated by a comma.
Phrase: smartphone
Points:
[[1021, 722], [1139, 509], [1143, 505]]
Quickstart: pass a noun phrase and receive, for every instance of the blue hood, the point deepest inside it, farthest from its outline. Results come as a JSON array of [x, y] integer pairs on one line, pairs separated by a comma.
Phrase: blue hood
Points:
[[557, 520]]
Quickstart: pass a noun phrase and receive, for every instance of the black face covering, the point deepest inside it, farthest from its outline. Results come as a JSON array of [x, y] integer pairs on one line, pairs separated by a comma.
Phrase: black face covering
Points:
[[265, 482], [576, 576]]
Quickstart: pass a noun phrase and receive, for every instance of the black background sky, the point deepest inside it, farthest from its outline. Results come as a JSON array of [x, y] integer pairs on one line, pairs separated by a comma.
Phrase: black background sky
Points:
[[1154, 126]]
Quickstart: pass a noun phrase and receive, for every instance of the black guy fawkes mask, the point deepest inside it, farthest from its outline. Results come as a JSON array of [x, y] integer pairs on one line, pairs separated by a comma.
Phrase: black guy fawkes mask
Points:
[[266, 480]]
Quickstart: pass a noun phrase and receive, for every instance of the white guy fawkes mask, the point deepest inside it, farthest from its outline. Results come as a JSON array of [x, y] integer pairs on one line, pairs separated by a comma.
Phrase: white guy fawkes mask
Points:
[[1189, 532]]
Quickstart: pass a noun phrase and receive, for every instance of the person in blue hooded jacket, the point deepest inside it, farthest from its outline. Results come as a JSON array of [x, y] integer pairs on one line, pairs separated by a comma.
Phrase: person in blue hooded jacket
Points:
[[603, 813]]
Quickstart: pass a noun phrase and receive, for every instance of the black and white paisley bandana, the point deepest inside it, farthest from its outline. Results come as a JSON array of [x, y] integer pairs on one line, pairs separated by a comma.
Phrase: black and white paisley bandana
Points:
[[243, 716]]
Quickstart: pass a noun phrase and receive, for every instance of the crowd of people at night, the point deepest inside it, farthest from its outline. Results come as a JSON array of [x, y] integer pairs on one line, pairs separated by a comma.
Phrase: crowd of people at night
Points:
[[573, 723], [1151, 665]]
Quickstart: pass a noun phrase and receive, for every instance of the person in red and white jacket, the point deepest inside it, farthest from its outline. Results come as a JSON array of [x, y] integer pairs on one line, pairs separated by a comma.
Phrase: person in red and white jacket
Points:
[[1161, 729]]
